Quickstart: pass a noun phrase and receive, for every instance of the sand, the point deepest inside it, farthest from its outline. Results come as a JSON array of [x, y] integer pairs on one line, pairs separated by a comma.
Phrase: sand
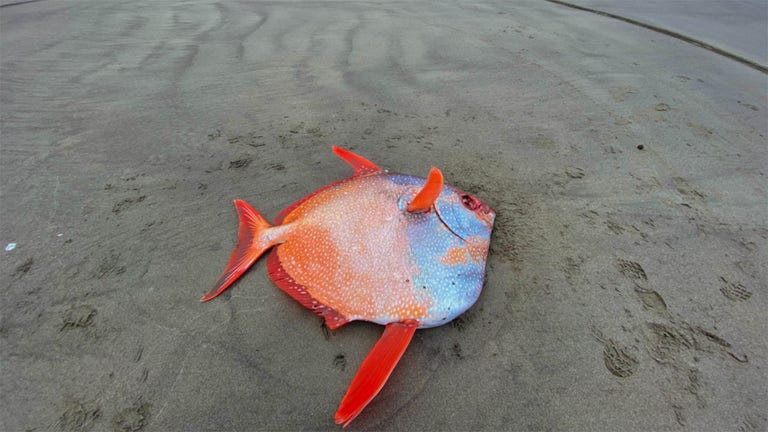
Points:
[[737, 26], [626, 285]]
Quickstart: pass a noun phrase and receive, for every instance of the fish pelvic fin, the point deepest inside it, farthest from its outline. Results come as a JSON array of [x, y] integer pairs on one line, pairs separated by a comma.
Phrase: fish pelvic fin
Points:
[[360, 164], [375, 370], [252, 241], [429, 193]]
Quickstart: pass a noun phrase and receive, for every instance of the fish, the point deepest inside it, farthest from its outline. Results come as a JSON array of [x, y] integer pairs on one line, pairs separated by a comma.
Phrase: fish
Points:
[[398, 250]]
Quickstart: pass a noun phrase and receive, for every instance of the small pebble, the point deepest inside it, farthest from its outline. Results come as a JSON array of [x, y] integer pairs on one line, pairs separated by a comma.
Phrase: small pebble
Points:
[[640, 146], [10, 247]]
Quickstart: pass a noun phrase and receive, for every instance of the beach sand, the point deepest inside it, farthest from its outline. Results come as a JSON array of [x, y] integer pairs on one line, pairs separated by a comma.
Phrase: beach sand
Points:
[[626, 284]]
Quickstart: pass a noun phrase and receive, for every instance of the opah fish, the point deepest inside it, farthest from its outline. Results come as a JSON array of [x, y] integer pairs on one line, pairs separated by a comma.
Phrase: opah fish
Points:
[[402, 251]]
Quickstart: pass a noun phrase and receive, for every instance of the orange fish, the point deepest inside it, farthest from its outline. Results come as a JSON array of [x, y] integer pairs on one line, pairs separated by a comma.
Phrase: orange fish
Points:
[[402, 251]]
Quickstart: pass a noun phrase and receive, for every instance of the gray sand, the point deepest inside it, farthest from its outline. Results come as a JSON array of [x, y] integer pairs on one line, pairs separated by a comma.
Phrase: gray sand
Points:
[[740, 26], [626, 287]]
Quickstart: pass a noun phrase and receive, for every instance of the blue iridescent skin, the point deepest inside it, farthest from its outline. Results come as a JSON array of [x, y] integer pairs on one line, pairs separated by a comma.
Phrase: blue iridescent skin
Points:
[[449, 246]]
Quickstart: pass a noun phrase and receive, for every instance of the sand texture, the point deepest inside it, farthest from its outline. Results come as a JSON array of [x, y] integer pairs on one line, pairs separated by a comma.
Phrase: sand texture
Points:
[[627, 282]]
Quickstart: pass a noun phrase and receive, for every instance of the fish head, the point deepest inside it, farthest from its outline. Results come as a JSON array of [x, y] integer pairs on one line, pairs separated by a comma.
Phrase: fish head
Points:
[[463, 214], [449, 246]]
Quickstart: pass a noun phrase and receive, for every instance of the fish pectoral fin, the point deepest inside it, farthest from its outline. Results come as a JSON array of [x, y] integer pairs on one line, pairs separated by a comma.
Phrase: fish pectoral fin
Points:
[[429, 193], [375, 370], [360, 164], [250, 245]]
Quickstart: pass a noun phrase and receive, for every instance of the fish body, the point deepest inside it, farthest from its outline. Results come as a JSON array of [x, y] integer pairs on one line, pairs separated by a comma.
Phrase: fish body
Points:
[[394, 249]]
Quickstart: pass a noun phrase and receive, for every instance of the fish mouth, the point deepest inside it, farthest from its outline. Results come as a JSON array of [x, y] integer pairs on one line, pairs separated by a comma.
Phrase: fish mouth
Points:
[[488, 212]]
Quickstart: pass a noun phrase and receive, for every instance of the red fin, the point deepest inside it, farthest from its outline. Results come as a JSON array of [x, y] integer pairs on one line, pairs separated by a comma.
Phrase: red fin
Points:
[[360, 164], [375, 370], [247, 251], [281, 278], [429, 193]]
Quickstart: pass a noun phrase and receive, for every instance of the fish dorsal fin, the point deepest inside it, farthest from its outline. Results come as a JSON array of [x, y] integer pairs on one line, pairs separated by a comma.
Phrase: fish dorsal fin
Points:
[[360, 164], [375, 370], [429, 193]]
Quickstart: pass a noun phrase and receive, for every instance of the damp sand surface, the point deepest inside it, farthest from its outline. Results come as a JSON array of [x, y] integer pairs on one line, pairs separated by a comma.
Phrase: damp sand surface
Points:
[[626, 285]]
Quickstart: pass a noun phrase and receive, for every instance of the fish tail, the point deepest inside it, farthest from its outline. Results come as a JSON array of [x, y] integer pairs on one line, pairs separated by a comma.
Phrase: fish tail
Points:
[[251, 244], [375, 370]]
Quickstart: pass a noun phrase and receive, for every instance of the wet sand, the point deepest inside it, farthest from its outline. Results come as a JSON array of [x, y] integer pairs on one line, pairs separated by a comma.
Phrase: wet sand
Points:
[[626, 285], [737, 26]]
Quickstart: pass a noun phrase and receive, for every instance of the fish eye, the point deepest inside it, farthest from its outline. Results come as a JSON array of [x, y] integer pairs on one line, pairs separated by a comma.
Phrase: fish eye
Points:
[[469, 202]]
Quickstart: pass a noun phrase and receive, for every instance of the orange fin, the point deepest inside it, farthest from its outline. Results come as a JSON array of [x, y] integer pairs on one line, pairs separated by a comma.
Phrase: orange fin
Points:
[[429, 193], [249, 248], [360, 164], [375, 370]]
